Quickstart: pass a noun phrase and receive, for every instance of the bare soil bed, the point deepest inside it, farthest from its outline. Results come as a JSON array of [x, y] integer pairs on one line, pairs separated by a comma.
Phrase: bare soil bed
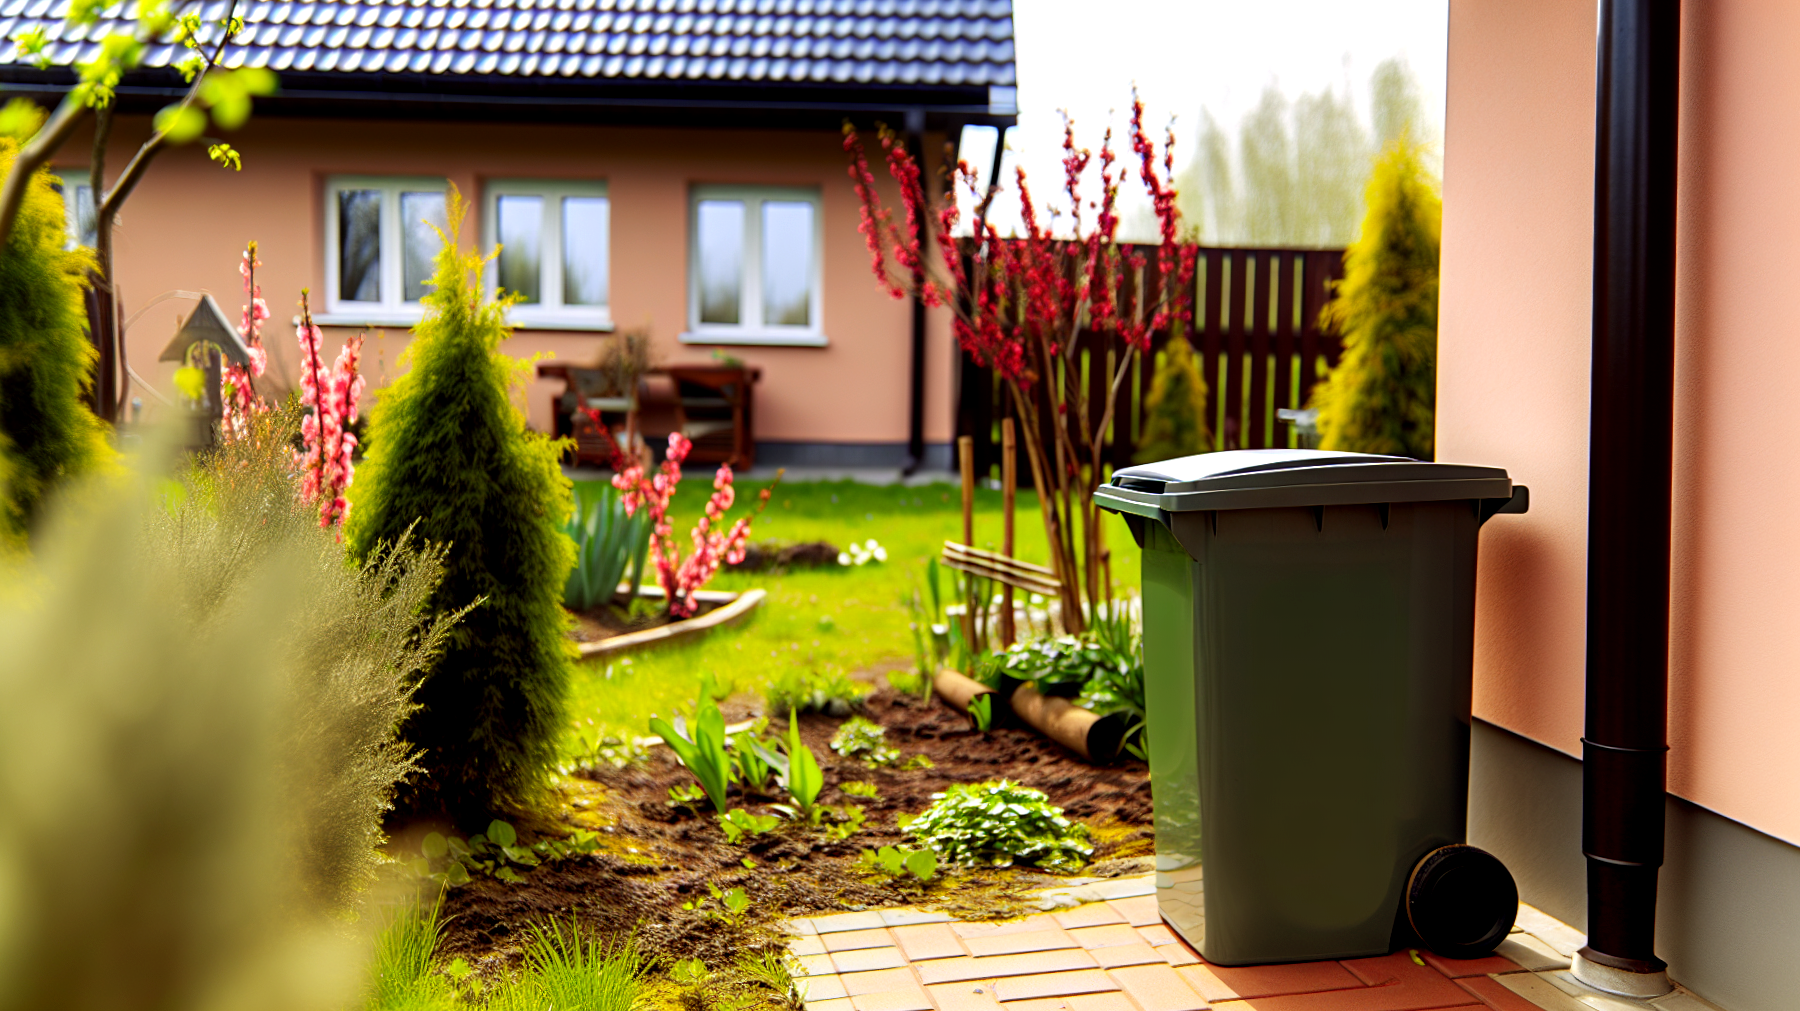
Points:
[[654, 858], [608, 620]]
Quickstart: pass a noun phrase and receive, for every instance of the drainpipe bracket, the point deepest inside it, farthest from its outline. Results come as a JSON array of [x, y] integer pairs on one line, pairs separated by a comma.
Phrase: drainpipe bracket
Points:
[[1620, 981]]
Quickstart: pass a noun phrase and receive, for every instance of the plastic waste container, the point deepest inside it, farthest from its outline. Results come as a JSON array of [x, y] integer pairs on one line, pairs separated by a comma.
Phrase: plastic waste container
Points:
[[1308, 621]]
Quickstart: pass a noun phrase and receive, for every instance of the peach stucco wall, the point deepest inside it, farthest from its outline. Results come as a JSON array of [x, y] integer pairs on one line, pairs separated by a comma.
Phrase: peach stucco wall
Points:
[[189, 219], [1513, 379]]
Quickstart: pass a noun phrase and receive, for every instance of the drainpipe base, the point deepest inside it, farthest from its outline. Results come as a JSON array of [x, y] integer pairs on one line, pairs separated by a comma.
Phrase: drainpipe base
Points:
[[1624, 982]]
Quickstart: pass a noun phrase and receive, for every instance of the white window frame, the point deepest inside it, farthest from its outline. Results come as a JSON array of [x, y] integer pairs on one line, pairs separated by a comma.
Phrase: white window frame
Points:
[[754, 331], [392, 309], [71, 178], [550, 313]]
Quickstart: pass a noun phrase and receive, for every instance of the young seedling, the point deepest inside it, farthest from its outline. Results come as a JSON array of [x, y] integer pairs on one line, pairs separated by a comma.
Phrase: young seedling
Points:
[[866, 740], [896, 861], [738, 823], [859, 788], [801, 776], [981, 710], [749, 763], [704, 752], [850, 821]]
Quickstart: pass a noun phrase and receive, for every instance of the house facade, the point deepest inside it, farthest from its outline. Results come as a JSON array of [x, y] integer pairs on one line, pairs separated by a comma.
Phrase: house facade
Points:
[[1516, 325], [672, 165]]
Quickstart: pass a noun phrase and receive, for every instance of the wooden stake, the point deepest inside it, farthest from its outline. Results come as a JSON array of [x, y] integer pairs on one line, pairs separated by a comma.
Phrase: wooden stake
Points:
[[1009, 484], [965, 450]]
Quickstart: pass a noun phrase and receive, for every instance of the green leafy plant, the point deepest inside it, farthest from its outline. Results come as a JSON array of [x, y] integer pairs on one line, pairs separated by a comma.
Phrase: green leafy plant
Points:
[[47, 432], [848, 821], [732, 903], [704, 752], [1381, 396], [999, 824], [773, 970], [751, 760], [1118, 685], [688, 796], [865, 740], [1059, 666], [1175, 410], [496, 853], [738, 823], [981, 710], [859, 788], [898, 861], [607, 544], [801, 776], [810, 691], [449, 450]]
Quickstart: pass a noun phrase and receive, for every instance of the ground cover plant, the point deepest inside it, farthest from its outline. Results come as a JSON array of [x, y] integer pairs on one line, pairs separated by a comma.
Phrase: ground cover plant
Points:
[[449, 455], [999, 824]]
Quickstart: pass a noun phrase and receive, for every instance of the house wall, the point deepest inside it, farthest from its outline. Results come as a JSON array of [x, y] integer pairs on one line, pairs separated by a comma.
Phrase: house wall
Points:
[[1515, 321], [189, 219]]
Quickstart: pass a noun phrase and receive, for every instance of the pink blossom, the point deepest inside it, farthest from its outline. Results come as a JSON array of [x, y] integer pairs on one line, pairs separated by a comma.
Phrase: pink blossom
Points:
[[237, 389], [327, 444]]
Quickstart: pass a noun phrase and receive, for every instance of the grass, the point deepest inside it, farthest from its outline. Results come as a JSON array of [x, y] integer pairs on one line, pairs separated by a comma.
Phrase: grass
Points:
[[846, 619]]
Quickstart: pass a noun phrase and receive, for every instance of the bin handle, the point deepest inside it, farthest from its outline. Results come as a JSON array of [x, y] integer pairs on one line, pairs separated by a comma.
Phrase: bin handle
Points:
[[1519, 502]]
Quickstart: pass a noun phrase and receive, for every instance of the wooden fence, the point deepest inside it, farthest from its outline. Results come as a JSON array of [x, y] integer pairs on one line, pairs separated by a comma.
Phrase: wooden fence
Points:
[[1258, 337]]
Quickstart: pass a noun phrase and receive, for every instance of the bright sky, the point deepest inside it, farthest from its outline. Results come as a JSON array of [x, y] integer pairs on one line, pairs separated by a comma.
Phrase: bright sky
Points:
[[1185, 55]]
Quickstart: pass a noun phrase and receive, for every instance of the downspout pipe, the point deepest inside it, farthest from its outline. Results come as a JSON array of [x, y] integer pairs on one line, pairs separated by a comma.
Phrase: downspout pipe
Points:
[[915, 399], [1625, 742]]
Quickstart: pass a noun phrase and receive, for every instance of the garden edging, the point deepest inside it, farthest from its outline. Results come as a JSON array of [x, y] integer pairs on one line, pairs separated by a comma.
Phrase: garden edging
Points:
[[739, 604]]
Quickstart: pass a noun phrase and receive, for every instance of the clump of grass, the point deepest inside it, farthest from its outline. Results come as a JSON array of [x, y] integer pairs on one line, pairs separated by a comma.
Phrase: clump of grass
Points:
[[569, 969], [402, 974], [811, 691]]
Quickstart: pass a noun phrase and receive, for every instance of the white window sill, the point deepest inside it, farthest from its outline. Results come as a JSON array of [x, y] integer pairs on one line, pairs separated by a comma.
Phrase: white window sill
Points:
[[370, 317], [528, 321], [765, 338], [412, 318]]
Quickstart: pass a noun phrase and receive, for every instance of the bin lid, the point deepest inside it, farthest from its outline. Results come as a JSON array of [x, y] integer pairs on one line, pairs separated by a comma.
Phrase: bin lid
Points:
[[1284, 478]]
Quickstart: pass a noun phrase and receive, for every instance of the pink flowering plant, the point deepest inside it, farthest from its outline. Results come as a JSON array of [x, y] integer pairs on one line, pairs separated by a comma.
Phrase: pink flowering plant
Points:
[[713, 544], [237, 392], [327, 446]]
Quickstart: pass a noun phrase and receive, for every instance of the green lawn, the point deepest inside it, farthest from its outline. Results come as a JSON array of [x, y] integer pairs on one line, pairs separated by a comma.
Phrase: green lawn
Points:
[[847, 619]]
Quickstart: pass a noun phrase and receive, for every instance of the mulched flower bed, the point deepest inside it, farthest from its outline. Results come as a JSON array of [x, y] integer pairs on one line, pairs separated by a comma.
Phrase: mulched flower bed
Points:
[[608, 620], [653, 859]]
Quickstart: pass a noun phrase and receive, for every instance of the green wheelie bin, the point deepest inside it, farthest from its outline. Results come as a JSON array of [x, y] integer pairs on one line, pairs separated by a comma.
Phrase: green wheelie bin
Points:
[[1308, 637]]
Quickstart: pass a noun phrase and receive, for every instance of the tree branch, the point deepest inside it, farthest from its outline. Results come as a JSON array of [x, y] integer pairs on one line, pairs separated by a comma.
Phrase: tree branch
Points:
[[35, 155]]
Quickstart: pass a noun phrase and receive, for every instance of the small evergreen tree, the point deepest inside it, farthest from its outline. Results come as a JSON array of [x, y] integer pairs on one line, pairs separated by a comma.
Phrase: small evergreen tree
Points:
[[1381, 396], [47, 432], [448, 449], [1175, 412]]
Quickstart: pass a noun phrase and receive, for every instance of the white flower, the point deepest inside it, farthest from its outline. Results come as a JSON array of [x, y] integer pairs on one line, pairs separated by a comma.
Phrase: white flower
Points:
[[843, 559]]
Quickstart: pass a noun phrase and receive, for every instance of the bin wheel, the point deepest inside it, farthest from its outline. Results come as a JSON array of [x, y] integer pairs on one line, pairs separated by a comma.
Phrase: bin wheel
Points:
[[1461, 901]]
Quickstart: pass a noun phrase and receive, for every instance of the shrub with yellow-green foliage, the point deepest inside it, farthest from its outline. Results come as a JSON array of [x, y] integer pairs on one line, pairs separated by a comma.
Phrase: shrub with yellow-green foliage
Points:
[[1381, 397], [47, 432], [449, 451], [1175, 412]]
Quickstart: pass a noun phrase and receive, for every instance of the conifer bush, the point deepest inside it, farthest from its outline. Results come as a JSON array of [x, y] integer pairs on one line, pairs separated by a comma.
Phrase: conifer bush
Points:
[[1381, 396], [1175, 412], [47, 432], [448, 450]]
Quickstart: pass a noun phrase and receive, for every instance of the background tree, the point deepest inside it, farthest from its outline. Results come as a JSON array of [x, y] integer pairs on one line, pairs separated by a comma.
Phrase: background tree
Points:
[[47, 433], [1175, 412], [1381, 396], [448, 450]]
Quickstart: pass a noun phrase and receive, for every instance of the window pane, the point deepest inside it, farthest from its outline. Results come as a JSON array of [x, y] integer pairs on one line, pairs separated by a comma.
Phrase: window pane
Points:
[[721, 241], [520, 227], [83, 204], [419, 241], [787, 262], [359, 245], [584, 227]]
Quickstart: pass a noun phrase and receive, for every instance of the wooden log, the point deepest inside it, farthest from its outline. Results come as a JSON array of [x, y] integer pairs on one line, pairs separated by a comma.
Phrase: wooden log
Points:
[[961, 691], [1009, 484], [1095, 738]]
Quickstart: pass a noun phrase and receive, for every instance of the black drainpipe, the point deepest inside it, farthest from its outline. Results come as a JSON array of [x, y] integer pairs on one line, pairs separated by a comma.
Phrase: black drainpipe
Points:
[[915, 400], [1625, 748]]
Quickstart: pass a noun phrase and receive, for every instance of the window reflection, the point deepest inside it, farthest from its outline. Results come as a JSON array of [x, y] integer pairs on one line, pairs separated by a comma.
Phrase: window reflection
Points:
[[720, 228], [787, 262], [521, 226], [359, 245], [584, 229], [419, 240]]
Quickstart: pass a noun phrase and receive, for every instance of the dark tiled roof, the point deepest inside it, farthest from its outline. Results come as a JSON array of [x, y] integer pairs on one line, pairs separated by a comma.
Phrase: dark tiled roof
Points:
[[919, 43]]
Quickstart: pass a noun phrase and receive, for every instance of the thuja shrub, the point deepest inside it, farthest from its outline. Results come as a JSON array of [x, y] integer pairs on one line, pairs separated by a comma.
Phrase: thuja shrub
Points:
[[1175, 411], [1381, 397], [448, 450], [47, 432]]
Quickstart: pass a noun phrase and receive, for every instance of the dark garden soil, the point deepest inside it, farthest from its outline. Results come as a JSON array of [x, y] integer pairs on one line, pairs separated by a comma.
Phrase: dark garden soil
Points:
[[764, 556], [608, 620], [654, 858]]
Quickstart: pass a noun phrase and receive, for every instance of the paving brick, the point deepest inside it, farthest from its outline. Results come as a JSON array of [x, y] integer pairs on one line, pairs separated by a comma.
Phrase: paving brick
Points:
[[865, 959], [801, 925], [928, 940], [1395, 986], [1040, 921], [847, 940], [1114, 1000], [1177, 954], [1107, 935], [1013, 944], [1127, 954], [823, 988], [1157, 934], [968, 996], [1398, 968], [903, 917], [951, 970], [815, 965], [1139, 912], [839, 922], [913, 999], [857, 984], [1225, 982], [806, 944], [1157, 988], [1054, 984], [1124, 888], [1531, 953], [1495, 994], [835, 1004], [1091, 915], [1456, 968]]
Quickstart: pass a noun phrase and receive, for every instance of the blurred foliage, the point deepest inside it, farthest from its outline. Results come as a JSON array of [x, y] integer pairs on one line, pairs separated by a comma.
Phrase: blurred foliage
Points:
[[1175, 411]]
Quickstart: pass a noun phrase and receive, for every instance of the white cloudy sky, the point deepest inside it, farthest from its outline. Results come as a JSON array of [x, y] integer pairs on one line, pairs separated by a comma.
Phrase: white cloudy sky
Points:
[[1185, 55]]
